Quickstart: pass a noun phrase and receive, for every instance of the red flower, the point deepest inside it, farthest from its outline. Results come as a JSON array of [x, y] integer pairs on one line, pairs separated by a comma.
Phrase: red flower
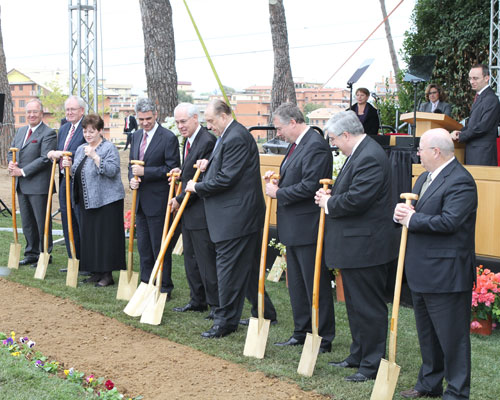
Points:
[[109, 385]]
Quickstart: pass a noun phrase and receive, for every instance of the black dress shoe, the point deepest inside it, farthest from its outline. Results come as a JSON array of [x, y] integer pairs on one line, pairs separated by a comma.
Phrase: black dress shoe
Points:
[[106, 280], [246, 321], [28, 260], [210, 315], [189, 307], [357, 377], [415, 394], [217, 331], [342, 364], [63, 270], [327, 348], [93, 278], [290, 342]]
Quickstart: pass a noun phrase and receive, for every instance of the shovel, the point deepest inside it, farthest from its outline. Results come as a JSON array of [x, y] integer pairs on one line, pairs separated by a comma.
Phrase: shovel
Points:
[[153, 312], [128, 279], [43, 259], [15, 248], [388, 371], [258, 328], [313, 340], [73, 262], [138, 301]]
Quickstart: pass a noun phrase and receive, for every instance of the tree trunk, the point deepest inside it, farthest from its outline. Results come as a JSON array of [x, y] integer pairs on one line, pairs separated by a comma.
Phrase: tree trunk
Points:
[[7, 128], [159, 55], [390, 42], [283, 88]]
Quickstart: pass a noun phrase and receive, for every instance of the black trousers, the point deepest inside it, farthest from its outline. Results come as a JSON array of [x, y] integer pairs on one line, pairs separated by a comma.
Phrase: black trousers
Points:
[[364, 290], [201, 271], [300, 267], [75, 217], [443, 327]]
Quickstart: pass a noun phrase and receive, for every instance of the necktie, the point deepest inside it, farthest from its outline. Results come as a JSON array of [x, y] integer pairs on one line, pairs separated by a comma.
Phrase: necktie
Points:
[[28, 136], [294, 145], [66, 144], [126, 123], [188, 146], [425, 185], [475, 98], [216, 144], [142, 149]]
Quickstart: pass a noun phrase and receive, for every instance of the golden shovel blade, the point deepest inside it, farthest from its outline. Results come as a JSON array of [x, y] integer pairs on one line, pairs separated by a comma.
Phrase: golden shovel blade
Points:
[[309, 354], [387, 379], [255, 344], [72, 274], [14, 255], [136, 305], [126, 287], [153, 312], [41, 267]]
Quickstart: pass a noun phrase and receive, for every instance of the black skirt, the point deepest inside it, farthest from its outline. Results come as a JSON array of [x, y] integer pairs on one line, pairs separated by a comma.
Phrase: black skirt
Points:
[[102, 235]]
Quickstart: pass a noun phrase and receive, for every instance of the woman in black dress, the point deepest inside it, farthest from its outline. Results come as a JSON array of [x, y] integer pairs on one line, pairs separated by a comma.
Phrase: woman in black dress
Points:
[[99, 193], [366, 113]]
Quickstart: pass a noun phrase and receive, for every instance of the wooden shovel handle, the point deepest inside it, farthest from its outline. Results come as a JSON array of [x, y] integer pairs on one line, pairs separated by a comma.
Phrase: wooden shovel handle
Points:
[[14, 220], [132, 215], [49, 208], [317, 263], [399, 278], [69, 215], [263, 254]]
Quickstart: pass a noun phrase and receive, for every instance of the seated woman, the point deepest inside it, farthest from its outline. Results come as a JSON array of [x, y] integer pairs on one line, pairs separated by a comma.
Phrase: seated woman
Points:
[[435, 101], [98, 190], [366, 113]]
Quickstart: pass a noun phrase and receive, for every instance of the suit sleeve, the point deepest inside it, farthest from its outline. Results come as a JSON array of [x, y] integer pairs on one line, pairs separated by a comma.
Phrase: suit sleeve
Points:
[[485, 123], [49, 142], [367, 182], [460, 201]]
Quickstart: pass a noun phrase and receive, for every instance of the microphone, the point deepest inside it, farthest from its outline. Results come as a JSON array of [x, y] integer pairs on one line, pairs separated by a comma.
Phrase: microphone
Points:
[[374, 95]]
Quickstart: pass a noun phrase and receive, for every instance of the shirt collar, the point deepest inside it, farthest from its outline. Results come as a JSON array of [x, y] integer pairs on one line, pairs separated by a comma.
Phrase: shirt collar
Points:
[[152, 131], [357, 144], [35, 127], [436, 172], [297, 141], [193, 136], [482, 90]]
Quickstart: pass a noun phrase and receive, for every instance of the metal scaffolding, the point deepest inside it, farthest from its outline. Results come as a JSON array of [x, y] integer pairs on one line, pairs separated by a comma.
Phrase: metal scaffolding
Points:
[[494, 59], [83, 51]]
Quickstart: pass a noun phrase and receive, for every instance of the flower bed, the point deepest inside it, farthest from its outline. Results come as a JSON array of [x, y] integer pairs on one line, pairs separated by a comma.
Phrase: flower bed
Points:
[[485, 300]]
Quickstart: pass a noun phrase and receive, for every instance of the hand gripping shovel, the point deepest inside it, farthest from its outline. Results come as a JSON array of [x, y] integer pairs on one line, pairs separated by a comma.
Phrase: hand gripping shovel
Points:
[[155, 303], [128, 278], [15, 248], [138, 301], [313, 341], [73, 262], [43, 259], [258, 328], [388, 371]]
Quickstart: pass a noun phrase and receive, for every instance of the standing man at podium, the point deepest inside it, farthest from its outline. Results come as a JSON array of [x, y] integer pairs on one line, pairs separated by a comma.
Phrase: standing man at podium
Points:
[[480, 133]]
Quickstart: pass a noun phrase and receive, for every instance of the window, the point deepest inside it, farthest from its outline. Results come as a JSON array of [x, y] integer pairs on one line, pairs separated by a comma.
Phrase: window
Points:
[[22, 119], [22, 103], [32, 87], [21, 88]]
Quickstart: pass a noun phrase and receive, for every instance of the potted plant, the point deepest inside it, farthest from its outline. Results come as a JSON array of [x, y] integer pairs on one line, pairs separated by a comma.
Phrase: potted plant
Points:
[[485, 301]]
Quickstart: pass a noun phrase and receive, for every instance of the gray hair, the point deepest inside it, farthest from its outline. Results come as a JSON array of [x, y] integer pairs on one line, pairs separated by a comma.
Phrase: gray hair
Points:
[[288, 111], [191, 109], [145, 105], [36, 100], [344, 121], [81, 102]]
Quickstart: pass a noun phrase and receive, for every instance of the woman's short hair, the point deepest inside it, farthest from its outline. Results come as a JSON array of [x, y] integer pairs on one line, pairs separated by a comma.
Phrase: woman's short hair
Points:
[[442, 96], [363, 90], [94, 121]]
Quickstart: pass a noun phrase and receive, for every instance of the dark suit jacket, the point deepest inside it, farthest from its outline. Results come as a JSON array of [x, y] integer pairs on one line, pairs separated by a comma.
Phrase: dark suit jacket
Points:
[[75, 142], [160, 157], [298, 215], [440, 255], [132, 126], [442, 106], [480, 133], [194, 215], [32, 158], [372, 122], [359, 228], [232, 188]]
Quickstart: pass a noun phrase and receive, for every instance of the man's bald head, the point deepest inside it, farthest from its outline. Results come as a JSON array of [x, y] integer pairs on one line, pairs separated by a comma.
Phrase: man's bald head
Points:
[[436, 148]]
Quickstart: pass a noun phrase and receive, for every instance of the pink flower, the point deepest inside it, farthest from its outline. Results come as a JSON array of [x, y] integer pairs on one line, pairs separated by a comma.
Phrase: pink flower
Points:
[[475, 325]]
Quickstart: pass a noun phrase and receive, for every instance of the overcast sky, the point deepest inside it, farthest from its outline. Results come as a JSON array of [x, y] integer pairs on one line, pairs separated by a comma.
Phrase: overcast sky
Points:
[[322, 34]]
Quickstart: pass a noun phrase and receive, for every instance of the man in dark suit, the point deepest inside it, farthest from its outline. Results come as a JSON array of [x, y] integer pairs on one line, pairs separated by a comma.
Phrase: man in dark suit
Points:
[[199, 251], [308, 160], [32, 169], [440, 267], [481, 131], [361, 240], [70, 137], [234, 208], [159, 149], [129, 128]]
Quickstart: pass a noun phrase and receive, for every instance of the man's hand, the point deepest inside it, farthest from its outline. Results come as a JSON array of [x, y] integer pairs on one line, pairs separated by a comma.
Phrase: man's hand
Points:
[[66, 162], [173, 204], [271, 188], [190, 186], [403, 213], [321, 197], [14, 170], [54, 155], [175, 171], [455, 135], [137, 170], [134, 183], [202, 165]]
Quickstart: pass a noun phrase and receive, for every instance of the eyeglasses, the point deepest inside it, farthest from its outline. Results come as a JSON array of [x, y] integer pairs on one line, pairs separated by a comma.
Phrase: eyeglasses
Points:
[[420, 149]]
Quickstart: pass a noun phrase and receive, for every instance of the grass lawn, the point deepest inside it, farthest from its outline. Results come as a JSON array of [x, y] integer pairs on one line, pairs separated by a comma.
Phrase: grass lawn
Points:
[[282, 363]]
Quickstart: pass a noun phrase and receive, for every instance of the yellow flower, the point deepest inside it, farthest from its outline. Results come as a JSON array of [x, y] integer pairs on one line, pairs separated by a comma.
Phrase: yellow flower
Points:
[[13, 335], [91, 379], [15, 354], [66, 372]]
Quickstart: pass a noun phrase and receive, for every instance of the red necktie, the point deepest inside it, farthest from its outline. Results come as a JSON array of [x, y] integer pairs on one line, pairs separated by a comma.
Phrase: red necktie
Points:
[[126, 123], [28, 136], [188, 146], [475, 98], [291, 150], [142, 149], [66, 144]]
